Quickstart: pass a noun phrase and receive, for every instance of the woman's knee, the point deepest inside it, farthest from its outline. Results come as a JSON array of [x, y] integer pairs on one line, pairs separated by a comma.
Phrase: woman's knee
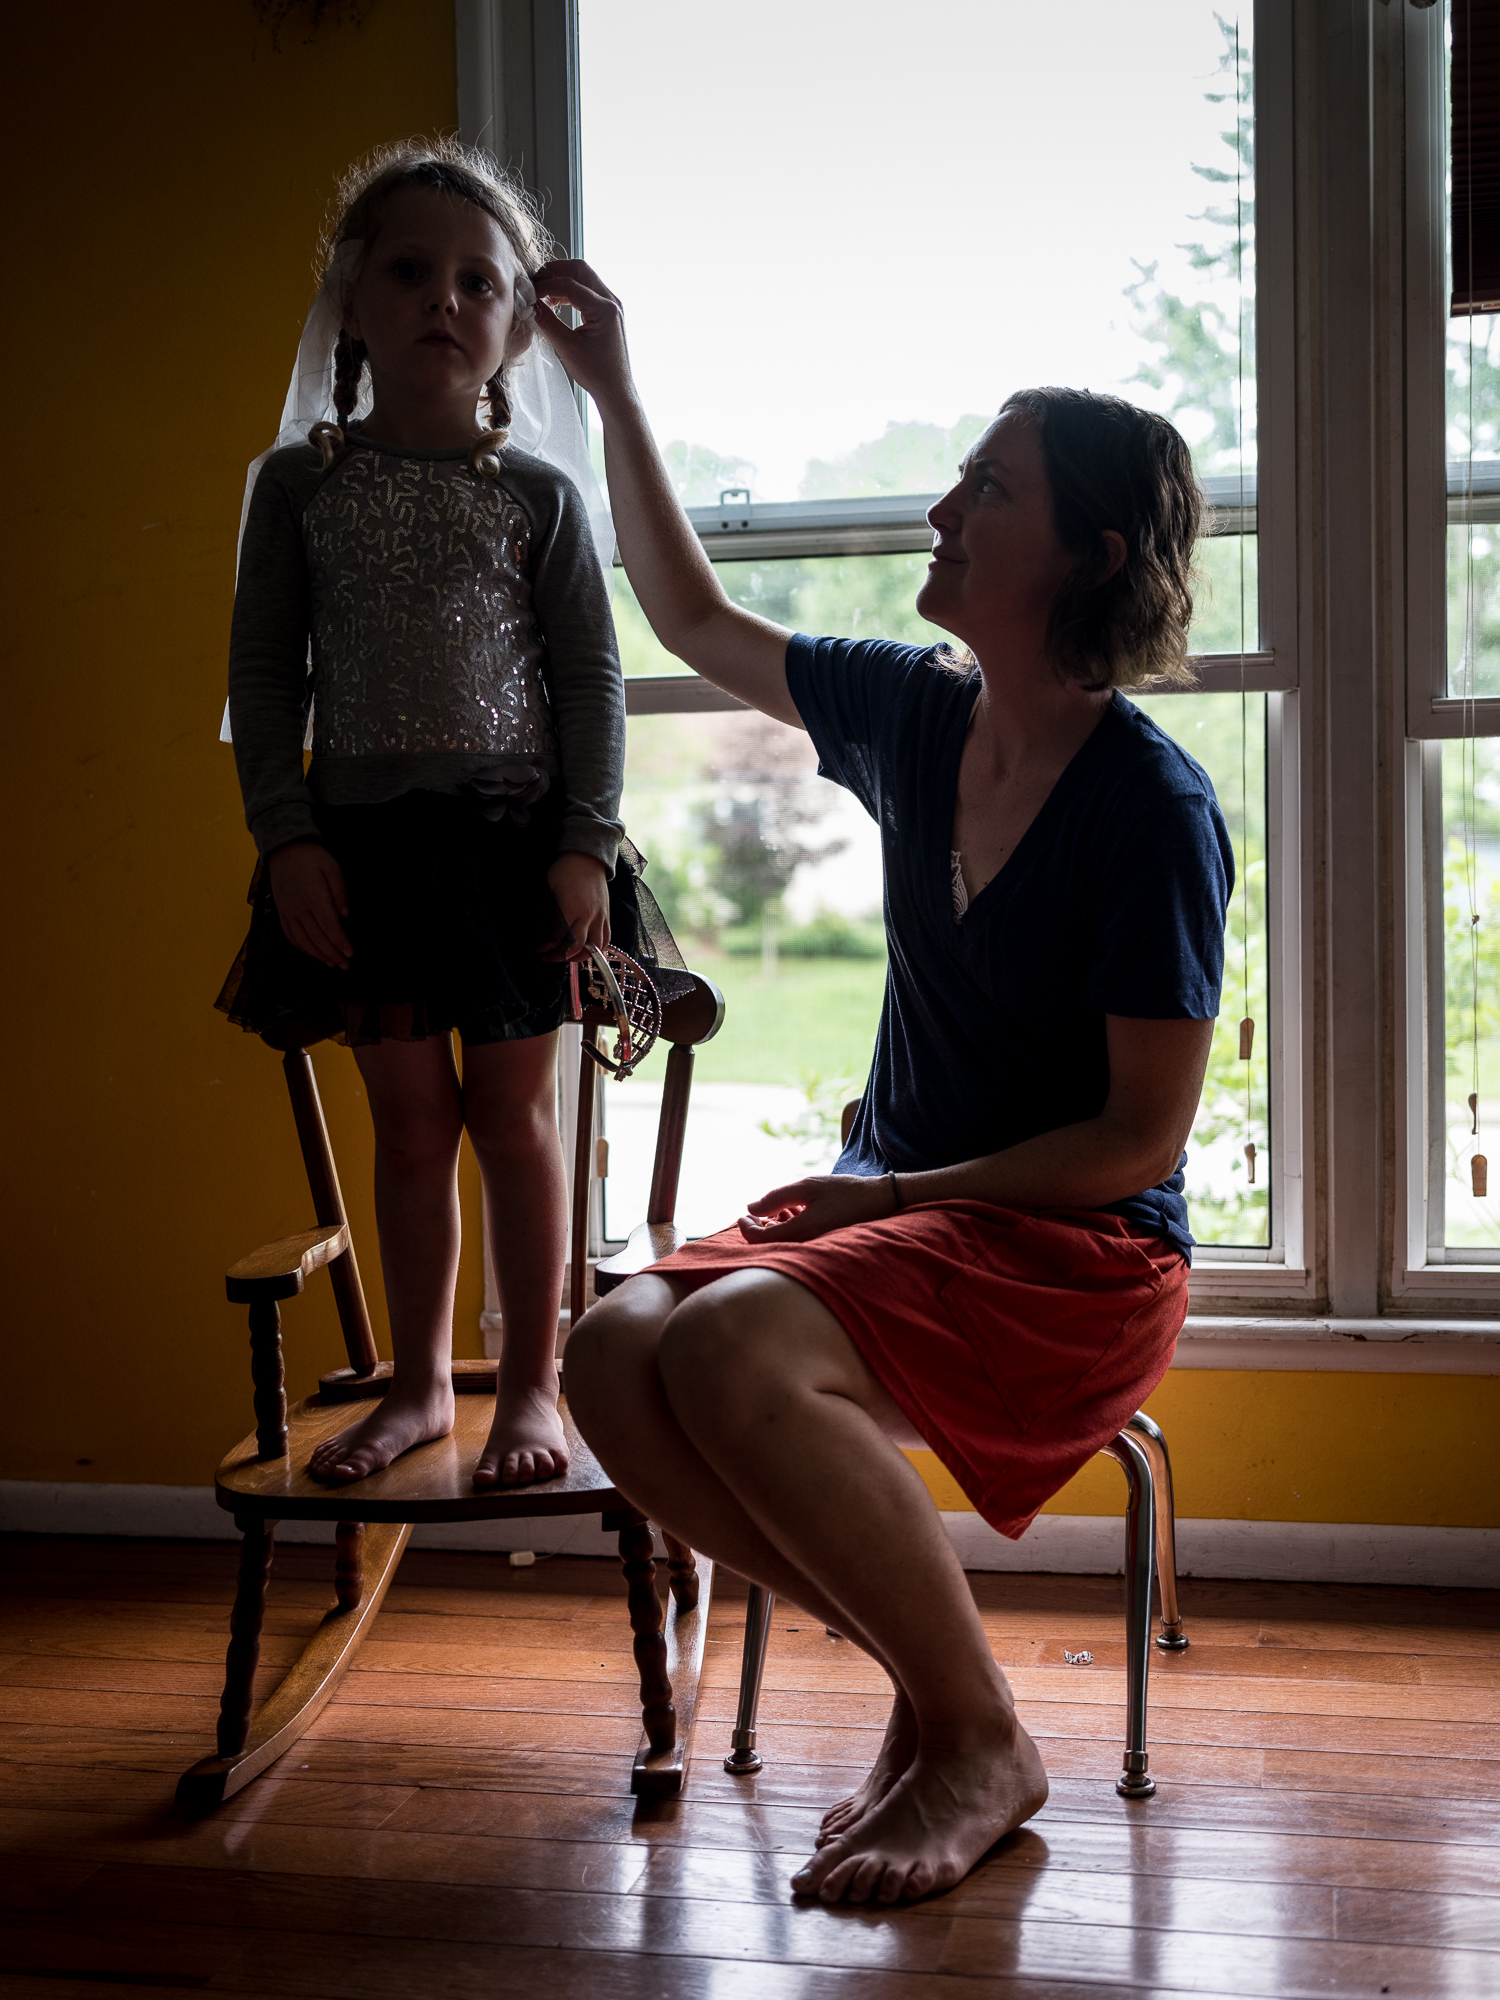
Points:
[[711, 1343], [610, 1355]]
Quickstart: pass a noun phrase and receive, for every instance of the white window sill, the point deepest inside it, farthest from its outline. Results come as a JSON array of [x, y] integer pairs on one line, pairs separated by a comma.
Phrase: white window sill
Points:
[[1341, 1346]]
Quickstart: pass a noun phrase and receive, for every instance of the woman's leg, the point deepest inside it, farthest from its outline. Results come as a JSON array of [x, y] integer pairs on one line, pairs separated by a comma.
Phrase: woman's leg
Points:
[[414, 1101], [510, 1110], [615, 1392], [767, 1389]]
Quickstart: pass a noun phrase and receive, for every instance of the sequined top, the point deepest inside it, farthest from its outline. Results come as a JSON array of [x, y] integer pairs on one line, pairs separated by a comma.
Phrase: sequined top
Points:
[[458, 632]]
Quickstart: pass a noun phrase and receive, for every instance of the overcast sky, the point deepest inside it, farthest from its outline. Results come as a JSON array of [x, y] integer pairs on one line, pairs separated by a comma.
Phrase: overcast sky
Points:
[[825, 215]]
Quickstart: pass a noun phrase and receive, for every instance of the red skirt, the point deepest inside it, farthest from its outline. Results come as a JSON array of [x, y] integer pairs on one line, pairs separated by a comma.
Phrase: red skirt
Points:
[[1016, 1342]]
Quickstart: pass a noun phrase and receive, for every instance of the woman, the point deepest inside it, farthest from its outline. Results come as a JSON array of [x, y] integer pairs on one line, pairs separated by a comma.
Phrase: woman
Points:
[[999, 1262]]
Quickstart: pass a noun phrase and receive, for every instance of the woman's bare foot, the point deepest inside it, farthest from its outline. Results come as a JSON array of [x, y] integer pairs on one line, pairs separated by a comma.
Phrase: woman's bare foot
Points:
[[953, 1804], [897, 1752], [525, 1445], [402, 1419]]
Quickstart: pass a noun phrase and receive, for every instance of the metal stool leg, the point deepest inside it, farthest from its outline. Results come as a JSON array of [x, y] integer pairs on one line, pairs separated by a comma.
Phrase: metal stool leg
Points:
[[1129, 1452], [1171, 1638], [745, 1758]]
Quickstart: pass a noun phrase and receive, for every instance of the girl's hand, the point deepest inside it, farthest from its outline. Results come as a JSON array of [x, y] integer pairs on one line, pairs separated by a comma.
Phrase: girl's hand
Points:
[[594, 352], [804, 1209], [581, 887], [308, 886]]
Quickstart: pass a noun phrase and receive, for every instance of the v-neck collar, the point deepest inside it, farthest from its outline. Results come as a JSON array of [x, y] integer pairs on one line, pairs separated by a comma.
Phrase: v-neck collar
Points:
[[985, 899]]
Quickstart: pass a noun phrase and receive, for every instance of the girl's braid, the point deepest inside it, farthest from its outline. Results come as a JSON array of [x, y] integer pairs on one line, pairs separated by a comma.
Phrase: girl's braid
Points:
[[348, 366], [485, 457]]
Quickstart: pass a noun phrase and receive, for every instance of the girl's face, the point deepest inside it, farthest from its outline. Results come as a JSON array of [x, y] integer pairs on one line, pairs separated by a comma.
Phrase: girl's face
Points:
[[434, 302], [998, 562]]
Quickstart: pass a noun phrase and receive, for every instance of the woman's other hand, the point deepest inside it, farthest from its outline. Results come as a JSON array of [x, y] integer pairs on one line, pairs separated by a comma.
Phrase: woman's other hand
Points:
[[308, 887], [581, 887], [804, 1209], [593, 352]]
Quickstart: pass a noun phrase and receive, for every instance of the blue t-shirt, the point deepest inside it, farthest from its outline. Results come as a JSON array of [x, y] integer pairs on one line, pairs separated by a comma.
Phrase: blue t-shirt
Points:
[[1112, 902]]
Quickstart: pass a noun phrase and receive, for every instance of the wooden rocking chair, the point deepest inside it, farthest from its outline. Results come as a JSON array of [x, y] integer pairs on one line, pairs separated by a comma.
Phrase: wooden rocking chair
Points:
[[264, 1479]]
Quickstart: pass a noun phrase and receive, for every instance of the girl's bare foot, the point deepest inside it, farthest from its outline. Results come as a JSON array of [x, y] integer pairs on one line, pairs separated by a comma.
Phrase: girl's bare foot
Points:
[[896, 1754], [954, 1803], [402, 1419], [525, 1445]]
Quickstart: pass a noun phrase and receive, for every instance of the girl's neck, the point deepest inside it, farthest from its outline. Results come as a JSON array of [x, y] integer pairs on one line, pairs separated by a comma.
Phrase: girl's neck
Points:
[[407, 425]]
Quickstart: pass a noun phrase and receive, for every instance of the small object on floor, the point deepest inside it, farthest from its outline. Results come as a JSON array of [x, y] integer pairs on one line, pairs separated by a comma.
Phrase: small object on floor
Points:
[[522, 1558], [1078, 1659]]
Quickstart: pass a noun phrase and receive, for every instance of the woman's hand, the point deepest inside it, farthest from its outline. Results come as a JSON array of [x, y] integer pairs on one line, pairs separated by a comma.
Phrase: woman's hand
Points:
[[308, 886], [804, 1209], [594, 352], [581, 887]]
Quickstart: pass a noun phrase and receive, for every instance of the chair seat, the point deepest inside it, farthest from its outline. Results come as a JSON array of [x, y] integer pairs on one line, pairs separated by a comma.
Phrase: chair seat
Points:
[[434, 1482]]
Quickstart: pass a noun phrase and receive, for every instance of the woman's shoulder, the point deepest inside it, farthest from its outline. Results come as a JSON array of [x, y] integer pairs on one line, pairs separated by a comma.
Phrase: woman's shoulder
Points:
[[883, 673], [1142, 753]]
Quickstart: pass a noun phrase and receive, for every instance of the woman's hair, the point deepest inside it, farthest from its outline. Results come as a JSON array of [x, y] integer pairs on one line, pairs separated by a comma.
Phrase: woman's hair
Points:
[[1112, 465], [447, 167]]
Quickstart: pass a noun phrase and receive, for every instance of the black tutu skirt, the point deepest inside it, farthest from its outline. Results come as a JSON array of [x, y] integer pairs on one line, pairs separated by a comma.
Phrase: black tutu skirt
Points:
[[448, 912]]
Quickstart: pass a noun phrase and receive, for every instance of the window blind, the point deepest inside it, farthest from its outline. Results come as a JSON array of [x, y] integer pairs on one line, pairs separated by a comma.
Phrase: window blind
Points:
[[1475, 157]]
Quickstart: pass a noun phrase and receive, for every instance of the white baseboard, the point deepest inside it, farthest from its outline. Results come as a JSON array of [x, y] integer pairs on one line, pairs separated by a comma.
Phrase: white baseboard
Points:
[[1070, 1544], [1273, 1551]]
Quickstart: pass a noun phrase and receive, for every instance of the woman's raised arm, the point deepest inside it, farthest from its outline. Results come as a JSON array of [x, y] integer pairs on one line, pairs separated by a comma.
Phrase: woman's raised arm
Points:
[[672, 577]]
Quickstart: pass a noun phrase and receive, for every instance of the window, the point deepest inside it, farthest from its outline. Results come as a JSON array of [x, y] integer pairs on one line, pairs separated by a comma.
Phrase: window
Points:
[[810, 488], [757, 176]]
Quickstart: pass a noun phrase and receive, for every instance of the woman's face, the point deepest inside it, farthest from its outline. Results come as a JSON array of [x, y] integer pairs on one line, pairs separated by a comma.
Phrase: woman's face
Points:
[[997, 561], [435, 300]]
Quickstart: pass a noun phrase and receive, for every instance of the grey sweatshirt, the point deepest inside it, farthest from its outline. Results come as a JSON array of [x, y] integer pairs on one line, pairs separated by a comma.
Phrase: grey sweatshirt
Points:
[[459, 631]]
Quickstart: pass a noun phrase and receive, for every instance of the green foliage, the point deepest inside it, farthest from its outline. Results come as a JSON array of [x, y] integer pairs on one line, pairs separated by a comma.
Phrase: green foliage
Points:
[[817, 1125], [1204, 370], [906, 458], [829, 935]]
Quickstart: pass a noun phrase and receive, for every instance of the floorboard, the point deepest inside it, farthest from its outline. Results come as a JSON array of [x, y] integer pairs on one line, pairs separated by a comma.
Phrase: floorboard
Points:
[[458, 1821]]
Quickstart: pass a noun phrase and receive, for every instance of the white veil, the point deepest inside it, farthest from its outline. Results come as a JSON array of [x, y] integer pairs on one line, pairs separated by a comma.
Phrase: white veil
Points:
[[544, 410]]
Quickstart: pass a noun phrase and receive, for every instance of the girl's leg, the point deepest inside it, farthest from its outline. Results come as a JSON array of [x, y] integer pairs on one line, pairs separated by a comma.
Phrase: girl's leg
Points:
[[510, 1110], [414, 1101], [764, 1386]]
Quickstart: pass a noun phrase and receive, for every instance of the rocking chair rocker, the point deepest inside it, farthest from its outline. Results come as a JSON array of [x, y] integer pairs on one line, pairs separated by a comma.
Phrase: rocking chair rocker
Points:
[[264, 1479]]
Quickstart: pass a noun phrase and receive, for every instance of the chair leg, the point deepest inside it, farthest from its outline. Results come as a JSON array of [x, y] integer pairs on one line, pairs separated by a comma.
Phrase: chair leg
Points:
[[308, 1686], [349, 1564], [1134, 1460], [257, 1551], [1171, 1638], [683, 1567], [638, 1560], [744, 1757]]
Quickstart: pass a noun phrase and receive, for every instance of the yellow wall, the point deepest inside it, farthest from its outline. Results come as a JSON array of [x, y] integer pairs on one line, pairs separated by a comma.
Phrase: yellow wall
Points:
[[170, 169], [169, 172]]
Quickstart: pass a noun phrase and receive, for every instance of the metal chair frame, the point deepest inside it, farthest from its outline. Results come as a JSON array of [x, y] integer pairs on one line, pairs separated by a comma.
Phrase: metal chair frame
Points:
[[1140, 1451]]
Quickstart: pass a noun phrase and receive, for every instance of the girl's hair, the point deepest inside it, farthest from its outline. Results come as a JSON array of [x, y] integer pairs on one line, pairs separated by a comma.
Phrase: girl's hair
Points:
[[1112, 465], [450, 168]]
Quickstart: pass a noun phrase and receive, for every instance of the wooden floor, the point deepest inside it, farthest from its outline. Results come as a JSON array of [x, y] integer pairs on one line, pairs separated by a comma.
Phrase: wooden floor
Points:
[[457, 1823]]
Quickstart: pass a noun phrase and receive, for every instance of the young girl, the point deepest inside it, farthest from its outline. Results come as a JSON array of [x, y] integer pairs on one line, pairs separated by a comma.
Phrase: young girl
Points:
[[453, 841]]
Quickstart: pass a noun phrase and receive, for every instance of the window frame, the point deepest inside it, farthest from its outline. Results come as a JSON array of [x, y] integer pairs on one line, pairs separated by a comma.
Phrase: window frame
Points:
[[1438, 494]]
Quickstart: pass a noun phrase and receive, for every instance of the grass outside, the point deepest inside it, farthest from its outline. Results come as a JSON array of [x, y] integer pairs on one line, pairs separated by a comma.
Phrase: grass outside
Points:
[[817, 1015]]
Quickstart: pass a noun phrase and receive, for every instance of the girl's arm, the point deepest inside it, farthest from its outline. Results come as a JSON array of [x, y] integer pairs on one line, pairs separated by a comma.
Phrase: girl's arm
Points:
[[268, 695], [1156, 1071], [673, 579]]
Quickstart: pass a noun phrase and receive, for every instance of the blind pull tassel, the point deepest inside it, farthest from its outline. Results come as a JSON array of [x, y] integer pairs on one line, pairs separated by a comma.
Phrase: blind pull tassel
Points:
[[1247, 1038], [1250, 1161], [1479, 1169]]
